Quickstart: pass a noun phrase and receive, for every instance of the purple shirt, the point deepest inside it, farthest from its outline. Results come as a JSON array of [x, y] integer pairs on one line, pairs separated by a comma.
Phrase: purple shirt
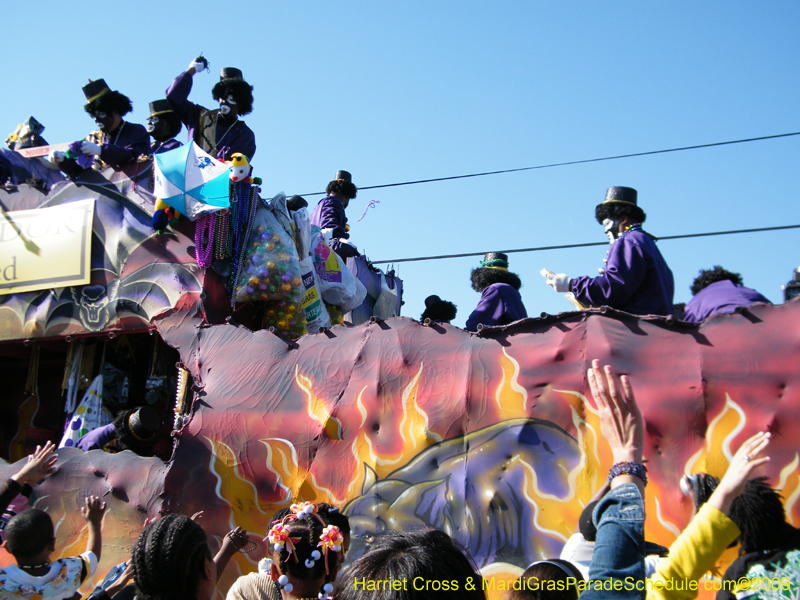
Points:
[[329, 214], [130, 141], [170, 144], [720, 297], [97, 438], [239, 138], [500, 304], [636, 278]]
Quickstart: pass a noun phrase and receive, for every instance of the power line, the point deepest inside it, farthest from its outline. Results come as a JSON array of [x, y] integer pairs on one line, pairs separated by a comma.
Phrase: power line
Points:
[[572, 162], [565, 246]]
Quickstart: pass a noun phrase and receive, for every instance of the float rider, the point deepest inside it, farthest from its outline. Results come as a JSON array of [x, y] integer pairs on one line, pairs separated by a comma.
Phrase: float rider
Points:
[[636, 278], [163, 125], [116, 142], [330, 217], [219, 131]]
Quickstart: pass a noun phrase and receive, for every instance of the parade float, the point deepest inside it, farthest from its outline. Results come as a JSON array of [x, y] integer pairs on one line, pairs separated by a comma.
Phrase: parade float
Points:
[[490, 436]]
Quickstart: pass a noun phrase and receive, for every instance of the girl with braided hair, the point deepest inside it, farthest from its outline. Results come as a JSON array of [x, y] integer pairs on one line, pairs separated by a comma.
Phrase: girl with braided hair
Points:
[[172, 561], [306, 553]]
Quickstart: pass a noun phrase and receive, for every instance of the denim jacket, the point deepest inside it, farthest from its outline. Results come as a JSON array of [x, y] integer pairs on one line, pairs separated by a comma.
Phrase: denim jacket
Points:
[[617, 569]]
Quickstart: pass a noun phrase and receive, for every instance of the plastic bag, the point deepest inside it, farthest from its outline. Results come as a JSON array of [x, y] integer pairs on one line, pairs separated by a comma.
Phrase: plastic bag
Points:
[[270, 268], [337, 285], [316, 313], [302, 236], [89, 415]]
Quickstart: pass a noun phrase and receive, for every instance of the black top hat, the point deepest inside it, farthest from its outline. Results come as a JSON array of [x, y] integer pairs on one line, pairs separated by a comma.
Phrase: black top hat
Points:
[[495, 260], [432, 301], [160, 107], [230, 73], [343, 176], [95, 89], [143, 425], [620, 195]]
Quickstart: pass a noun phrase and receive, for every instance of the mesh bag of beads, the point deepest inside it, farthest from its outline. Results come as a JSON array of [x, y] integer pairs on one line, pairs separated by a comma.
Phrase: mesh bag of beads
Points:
[[270, 269]]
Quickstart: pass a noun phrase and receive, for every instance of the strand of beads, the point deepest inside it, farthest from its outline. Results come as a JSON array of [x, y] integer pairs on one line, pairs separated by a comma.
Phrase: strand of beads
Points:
[[204, 240]]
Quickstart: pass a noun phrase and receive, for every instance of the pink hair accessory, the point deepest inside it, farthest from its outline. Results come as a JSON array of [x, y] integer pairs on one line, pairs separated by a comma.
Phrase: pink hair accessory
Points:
[[331, 539], [301, 508]]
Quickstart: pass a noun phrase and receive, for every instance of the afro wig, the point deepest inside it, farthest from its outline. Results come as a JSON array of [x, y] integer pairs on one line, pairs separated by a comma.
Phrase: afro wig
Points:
[[709, 276], [110, 103], [241, 91]]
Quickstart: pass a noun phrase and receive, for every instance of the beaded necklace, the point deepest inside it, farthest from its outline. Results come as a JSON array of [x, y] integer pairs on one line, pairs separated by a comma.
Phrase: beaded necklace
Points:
[[204, 240], [217, 142], [119, 131], [44, 564], [632, 227], [243, 210], [157, 148]]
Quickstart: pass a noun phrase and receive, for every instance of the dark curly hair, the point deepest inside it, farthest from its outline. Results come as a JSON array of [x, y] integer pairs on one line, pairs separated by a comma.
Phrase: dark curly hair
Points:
[[169, 559], [532, 584], [483, 277], [618, 211], [709, 276], [427, 556], [28, 533], [110, 103], [442, 312], [241, 91], [345, 188], [759, 514]]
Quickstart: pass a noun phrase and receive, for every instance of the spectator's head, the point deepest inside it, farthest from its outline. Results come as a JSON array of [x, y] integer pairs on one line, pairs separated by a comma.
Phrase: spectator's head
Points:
[[493, 269], [432, 565], [307, 551], [709, 276], [234, 94], [30, 537], [759, 514], [699, 487], [552, 579], [438, 310], [106, 107], [342, 187], [172, 561]]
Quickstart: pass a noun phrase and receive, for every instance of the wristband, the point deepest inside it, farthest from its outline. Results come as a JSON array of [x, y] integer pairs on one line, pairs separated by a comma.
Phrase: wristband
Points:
[[628, 468]]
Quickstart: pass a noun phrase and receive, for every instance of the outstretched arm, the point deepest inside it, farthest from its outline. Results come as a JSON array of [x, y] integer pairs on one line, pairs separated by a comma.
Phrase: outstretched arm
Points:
[[710, 532], [92, 513], [40, 464]]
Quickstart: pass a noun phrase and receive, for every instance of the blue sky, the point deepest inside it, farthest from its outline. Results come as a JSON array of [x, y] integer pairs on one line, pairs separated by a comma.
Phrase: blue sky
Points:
[[406, 91]]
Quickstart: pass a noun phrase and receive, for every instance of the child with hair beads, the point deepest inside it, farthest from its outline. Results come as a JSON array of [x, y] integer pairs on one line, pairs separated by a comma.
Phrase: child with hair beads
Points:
[[306, 553], [30, 538]]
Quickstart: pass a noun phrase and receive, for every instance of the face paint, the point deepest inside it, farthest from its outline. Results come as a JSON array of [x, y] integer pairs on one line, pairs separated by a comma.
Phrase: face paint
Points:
[[152, 124], [611, 227], [226, 105], [104, 121]]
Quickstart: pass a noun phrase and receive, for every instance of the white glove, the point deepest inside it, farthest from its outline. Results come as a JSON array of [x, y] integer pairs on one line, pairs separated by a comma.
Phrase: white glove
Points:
[[55, 156], [90, 149], [559, 282], [198, 64]]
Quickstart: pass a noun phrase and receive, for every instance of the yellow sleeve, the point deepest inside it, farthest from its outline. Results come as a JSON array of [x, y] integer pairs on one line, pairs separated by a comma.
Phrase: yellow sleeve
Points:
[[693, 554]]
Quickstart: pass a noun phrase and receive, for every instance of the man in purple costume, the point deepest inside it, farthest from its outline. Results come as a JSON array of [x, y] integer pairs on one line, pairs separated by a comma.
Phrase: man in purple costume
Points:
[[163, 125], [117, 142], [219, 132], [500, 302], [330, 218], [636, 278], [718, 291], [135, 429]]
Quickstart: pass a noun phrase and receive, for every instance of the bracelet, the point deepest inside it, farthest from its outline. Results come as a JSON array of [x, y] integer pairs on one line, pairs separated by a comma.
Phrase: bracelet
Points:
[[242, 537], [628, 468]]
